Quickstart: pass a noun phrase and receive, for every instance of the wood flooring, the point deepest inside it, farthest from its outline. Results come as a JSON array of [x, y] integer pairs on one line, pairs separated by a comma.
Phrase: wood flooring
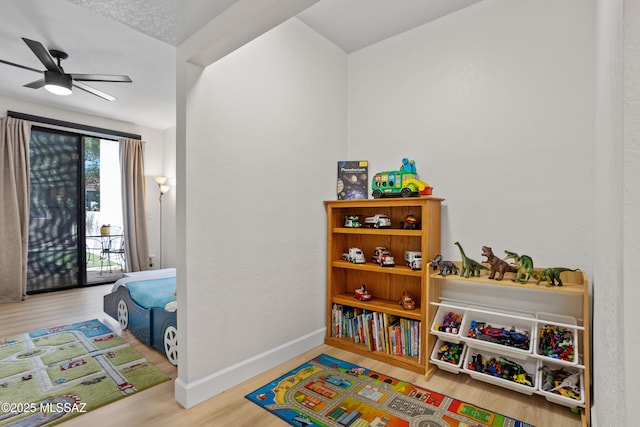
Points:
[[156, 406]]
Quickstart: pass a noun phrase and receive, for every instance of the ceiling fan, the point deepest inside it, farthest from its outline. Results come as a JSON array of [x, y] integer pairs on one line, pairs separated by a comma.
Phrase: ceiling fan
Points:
[[57, 81]]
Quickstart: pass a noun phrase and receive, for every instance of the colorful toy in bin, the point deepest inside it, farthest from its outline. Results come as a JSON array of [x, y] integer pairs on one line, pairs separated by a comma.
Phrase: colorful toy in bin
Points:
[[450, 323], [507, 337], [450, 352], [565, 382], [501, 368], [556, 342], [400, 183]]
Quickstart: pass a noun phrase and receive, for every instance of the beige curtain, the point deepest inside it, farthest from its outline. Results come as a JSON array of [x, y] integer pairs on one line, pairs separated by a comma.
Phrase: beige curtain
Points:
[[15, 197], [134, 204]]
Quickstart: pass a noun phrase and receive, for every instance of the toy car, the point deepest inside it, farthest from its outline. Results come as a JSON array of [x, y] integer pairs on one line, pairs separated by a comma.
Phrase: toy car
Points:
[[362, 294], [355, 255], [352, 221], [377, 221], [406, 301], [413, 259], [382, 256], [410, 223]]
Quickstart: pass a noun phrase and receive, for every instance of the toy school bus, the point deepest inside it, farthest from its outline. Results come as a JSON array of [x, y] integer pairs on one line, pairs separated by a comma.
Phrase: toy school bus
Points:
[[398, 184]]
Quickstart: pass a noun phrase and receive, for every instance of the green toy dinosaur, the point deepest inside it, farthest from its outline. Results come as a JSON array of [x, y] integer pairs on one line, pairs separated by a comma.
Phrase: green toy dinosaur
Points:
[[470, 267], [551, 275], [525, 266]]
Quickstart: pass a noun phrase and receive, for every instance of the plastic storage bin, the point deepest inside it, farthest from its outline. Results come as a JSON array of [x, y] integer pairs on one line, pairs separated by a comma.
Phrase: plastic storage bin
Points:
[[498, 321], [440, 318], [443, 364], [556, 396], [553, 345], [529, 365]]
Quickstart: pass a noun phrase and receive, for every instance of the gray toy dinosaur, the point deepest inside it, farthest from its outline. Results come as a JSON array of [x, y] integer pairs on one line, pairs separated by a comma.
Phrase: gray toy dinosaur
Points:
[[446, 267]]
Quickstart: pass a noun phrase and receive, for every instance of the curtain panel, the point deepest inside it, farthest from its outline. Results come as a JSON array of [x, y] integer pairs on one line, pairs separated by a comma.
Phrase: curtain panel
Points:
[[134, 204], [15, 197]]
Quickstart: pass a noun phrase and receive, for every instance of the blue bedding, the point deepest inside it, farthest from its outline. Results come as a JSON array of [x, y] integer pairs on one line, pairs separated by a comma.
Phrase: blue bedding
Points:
[[153, 292]]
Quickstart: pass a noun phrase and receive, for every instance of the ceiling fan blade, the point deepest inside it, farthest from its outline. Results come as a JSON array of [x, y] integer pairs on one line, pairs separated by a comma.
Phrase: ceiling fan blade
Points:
[[93, 91], [20, 66], [101, 78], [43, 55], [36, 85]]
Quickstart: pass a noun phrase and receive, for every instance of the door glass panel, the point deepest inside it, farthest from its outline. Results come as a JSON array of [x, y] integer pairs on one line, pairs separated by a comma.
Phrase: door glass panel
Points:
[[103, 207], [53, 260]]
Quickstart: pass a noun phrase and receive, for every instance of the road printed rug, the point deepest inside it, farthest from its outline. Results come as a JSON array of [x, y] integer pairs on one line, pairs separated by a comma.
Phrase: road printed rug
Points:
[[52, 375], [331, 392]]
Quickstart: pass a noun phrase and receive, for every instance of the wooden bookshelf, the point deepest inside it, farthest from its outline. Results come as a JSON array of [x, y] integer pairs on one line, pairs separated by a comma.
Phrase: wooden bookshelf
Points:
[[386, 284]]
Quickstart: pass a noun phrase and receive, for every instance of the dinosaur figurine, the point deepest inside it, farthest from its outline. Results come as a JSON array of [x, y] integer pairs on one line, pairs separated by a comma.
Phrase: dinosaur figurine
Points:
[[551, 275], [524, 264], [547, 377], [469, 267], [498, 266], [446, 267], [571, 382]]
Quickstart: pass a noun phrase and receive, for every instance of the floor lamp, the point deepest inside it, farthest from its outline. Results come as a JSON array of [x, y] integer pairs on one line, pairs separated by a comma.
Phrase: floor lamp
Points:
[[161, 181]]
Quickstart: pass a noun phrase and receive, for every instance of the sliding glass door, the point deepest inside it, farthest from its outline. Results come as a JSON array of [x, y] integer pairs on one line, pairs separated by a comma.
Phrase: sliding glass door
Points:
[[54, 257], [103, 211], [75, 190]]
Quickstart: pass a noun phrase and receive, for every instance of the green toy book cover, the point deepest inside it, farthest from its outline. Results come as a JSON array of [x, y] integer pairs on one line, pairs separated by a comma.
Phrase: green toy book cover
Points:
[[353, 179]]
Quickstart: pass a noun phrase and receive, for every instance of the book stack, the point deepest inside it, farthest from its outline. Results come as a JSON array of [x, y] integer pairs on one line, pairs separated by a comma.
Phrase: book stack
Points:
[[377, 331]]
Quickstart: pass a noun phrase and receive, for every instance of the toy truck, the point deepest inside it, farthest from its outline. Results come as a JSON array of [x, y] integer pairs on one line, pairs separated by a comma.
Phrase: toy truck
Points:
[[382, 256], [377, 221], [413, 259], [355, 255]]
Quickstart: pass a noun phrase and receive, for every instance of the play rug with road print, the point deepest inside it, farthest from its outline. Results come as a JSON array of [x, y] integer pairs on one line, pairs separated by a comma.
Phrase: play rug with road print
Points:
[[331, 392], [54, 374]]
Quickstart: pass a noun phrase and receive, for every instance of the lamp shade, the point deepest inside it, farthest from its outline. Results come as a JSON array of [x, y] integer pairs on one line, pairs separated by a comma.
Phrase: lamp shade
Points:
[[164, 189], [56, 83], [160, 180]]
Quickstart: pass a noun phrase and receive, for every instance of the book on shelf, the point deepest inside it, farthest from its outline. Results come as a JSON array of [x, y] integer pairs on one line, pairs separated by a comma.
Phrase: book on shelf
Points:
[[377, 331], [353, 180]]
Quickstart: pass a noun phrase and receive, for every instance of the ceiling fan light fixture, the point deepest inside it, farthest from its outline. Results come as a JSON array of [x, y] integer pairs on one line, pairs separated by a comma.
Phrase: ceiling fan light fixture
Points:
[[56, 83]]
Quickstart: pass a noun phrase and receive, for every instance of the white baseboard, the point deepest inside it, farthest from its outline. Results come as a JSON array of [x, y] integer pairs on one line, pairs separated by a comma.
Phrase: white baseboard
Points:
[[190, 394]]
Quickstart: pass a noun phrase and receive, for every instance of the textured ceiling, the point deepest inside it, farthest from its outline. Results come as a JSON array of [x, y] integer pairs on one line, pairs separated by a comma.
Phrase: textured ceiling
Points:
[[350, 24], [139, 38], [171, 21]]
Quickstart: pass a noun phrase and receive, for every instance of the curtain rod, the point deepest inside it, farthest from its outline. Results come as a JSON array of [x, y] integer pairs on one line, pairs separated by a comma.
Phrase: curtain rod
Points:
[[71, 125]]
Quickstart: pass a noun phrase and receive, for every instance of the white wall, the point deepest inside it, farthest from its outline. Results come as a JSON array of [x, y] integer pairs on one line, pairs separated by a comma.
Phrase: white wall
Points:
[[265, 127], [630, 164], [495, 104], [154, 148], [169, 201], [616, 206]]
